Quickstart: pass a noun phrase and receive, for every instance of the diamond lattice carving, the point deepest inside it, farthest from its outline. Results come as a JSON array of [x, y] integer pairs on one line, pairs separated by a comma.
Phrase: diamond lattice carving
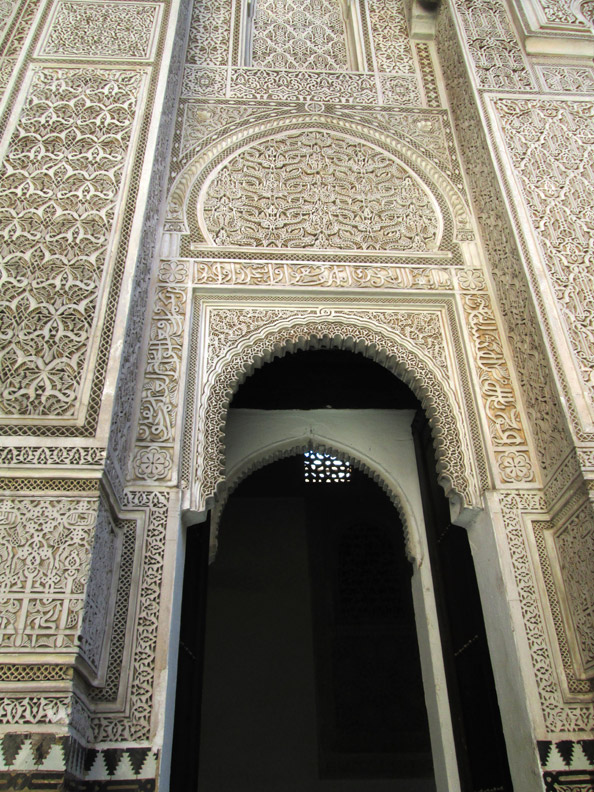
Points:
[[299, 34]]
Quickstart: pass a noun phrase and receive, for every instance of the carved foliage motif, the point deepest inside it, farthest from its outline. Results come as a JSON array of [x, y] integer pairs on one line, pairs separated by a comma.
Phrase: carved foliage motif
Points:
[[497, 56], [575, 548], [305, 86], [102, 30], [60, 182], [390, 37], [299, 34], [557, 181], [210, 32], [45, 546], [557, 716], [559, 11], [97, 599], [317, 189], [551, 442]]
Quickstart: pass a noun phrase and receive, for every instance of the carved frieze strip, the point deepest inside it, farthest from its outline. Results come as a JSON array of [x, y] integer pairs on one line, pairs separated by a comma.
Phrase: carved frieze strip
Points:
[[317, 275], [29, 672], [31, 455], [102, 30], [445, 259], [28, 710], [314, 86], [566, 79], [559, 716], [498, 392], [35, 485]]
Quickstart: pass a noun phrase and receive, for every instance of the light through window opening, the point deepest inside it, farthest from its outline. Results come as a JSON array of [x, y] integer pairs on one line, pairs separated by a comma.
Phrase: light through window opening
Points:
[[325, 469]]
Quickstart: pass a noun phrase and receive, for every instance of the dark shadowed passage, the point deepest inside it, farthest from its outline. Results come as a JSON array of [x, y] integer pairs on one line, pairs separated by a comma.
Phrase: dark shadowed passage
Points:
[[312, 676]]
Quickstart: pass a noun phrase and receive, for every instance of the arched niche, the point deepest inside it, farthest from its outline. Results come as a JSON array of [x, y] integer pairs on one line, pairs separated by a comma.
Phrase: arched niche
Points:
[[202, 163], [256, 455]]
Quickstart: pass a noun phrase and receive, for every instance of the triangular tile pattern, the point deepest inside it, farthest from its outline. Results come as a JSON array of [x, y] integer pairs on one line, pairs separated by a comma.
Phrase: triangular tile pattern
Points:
[[10, 747], [544, 750], [27, 753], [588, 749], [121, 764], [566, 754]]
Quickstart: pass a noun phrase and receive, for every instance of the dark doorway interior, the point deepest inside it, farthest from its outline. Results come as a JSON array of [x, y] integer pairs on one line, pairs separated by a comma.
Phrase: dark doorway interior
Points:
[[312, 672], [301, 546]]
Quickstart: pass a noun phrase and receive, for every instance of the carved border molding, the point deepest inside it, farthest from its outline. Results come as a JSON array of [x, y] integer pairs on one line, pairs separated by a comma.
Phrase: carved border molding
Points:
[[410, 340]]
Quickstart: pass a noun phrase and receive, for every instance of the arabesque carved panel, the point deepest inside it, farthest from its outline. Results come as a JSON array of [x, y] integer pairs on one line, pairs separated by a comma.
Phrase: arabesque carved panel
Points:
[[557, 182], [318, 189], [102, 30], [210, 33], [299, 34], [390, 37], [498, 58], [45, 553], [60, 187]]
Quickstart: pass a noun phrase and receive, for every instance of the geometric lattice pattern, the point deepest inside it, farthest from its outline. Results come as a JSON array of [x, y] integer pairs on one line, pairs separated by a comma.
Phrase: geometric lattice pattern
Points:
[[321, 468], [299, 34]]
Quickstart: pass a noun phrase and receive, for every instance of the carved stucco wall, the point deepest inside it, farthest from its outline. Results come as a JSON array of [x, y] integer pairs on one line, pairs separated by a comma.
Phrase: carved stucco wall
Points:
[[537, 248], [504, 373], [82, 88]]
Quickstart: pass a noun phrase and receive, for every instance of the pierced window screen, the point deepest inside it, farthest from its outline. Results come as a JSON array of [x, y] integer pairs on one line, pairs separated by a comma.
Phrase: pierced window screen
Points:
[[325, 469]]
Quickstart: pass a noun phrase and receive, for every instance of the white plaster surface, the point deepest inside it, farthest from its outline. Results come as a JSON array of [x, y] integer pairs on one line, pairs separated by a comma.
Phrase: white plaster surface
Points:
[[380, 439]]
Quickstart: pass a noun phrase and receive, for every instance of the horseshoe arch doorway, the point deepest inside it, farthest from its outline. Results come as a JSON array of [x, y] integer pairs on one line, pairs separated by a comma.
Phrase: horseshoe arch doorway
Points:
[[355, 678]]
